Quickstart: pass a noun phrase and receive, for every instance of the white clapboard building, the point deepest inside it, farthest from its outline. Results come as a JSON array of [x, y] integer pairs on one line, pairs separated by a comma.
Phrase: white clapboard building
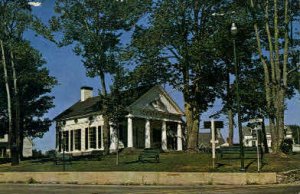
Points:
[[153, 120], [250, 138], [4, 147]]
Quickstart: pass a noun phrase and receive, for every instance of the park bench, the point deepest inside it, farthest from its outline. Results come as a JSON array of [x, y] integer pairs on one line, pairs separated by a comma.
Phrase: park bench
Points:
[[149, 153], [95, 155], [62, 158], [234, 152]]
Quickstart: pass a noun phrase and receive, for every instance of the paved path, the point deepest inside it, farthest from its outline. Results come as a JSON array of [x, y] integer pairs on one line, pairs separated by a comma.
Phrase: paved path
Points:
[[85, 189]]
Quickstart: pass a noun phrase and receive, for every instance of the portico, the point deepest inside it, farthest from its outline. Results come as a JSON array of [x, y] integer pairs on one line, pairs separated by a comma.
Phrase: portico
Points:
[[159, 117], [153, 130]]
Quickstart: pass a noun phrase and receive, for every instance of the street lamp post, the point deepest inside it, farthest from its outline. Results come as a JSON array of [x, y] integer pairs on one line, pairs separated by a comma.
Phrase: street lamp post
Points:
[[233, 33]]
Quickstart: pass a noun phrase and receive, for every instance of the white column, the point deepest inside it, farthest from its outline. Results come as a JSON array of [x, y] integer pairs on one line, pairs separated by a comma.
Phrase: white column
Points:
[[102, 139], [82, 138], [164, 136], [113, 138], [129, 132], [88, 138], [179, 137], [97, 138], [213, 139], [147, 134]]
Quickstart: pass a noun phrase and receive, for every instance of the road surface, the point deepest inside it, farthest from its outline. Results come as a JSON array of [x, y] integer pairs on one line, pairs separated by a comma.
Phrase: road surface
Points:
[[96, 189]]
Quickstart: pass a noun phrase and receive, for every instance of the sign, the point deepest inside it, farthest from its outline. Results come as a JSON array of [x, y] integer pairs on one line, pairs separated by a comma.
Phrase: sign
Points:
[[255, 120], [218, 124], [216, 141]]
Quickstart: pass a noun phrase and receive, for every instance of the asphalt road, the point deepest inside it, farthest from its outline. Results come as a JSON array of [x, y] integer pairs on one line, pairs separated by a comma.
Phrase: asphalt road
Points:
[[96, 189]]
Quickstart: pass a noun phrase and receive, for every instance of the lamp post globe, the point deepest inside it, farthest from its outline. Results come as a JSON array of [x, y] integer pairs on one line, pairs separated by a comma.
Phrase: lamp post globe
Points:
[[233, 29]]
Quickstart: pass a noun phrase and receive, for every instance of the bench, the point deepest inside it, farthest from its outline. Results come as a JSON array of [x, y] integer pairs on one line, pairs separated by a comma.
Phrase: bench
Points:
[[249, 152], [149, 153], [62, 158], [95, 155]]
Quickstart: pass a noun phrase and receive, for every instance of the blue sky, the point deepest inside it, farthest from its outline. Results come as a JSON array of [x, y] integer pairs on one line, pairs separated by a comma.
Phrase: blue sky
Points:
[[70, 73]]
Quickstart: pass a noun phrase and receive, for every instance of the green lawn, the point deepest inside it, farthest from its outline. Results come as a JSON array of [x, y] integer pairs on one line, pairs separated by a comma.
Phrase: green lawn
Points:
[[176, 162]]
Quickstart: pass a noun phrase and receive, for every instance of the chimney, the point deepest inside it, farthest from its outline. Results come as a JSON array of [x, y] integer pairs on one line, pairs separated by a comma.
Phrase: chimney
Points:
[[86, 92]]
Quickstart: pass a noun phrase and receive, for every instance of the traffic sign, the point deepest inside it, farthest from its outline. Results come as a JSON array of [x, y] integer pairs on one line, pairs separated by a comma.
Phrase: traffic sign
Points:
[[218, 124]]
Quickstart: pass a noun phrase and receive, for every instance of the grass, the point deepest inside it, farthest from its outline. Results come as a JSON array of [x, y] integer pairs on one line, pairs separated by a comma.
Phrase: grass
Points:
[[169, 162]]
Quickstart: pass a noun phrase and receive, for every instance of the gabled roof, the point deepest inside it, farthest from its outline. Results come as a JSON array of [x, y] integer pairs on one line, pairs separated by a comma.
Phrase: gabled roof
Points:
[[92, 106], [80, 109], [156, 99]]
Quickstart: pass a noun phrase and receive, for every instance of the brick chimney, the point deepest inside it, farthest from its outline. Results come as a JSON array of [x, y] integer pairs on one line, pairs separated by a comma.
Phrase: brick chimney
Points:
[[86, 92]]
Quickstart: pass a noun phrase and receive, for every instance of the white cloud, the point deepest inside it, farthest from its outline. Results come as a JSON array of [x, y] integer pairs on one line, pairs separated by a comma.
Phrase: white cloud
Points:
[[35, 3]]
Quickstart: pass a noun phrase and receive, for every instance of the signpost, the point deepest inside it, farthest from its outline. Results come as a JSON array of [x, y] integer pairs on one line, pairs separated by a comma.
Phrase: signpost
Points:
[[257, 129], [213, 125]]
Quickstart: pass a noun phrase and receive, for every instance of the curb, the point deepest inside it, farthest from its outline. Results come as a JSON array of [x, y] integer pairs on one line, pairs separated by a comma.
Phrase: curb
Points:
[[139, 178]]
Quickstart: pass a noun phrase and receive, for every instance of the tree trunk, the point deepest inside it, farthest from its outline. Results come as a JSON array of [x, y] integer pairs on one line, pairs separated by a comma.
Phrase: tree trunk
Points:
[[106, 131], [16, 158], [275, 94], [273, 135], [9, 108], [230, 127], [189, 124], [106, 135], [264, 136], [103, 83], [194, 133]]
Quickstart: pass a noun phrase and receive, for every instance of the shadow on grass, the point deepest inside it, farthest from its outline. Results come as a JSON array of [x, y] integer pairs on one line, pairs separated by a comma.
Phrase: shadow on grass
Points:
[[142, 162], [263, 164], [218, 165], [249, 164], [132, 162]]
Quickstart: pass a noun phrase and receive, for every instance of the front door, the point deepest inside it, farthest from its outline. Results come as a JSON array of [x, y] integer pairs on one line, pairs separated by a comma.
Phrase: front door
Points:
[[156, 138]]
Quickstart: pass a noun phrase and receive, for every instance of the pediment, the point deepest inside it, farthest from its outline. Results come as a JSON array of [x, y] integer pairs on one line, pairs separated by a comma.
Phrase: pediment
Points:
[[156, 100]]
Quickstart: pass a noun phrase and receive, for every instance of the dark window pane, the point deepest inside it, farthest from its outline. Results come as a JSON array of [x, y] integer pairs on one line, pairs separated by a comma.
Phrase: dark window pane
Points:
[[99, 136], [59, 142], [78, 139], [92, 135], [72, 139], [66, 140], [86, 138]]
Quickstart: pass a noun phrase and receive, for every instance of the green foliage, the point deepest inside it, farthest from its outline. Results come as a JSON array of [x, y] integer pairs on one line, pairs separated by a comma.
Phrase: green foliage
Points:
[[175, 43], [95, 27], [32, 78], [34, 84]]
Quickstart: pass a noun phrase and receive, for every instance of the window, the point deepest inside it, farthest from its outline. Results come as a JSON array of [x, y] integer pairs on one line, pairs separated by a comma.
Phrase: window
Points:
[[78, 139], [72, 140], [66, 140], [86, 138], [99, 136], [59, 142], [92, 137], [2, 134]]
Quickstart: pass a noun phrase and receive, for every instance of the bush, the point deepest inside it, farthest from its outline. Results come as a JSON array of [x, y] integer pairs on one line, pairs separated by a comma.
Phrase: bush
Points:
[[287, 146], [36, 154]]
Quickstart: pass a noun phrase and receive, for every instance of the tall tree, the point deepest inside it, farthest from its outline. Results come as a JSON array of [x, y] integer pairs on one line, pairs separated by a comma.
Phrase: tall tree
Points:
[[271, 21], [16, 18], [95, 28], [34, 82], [176, 36]]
